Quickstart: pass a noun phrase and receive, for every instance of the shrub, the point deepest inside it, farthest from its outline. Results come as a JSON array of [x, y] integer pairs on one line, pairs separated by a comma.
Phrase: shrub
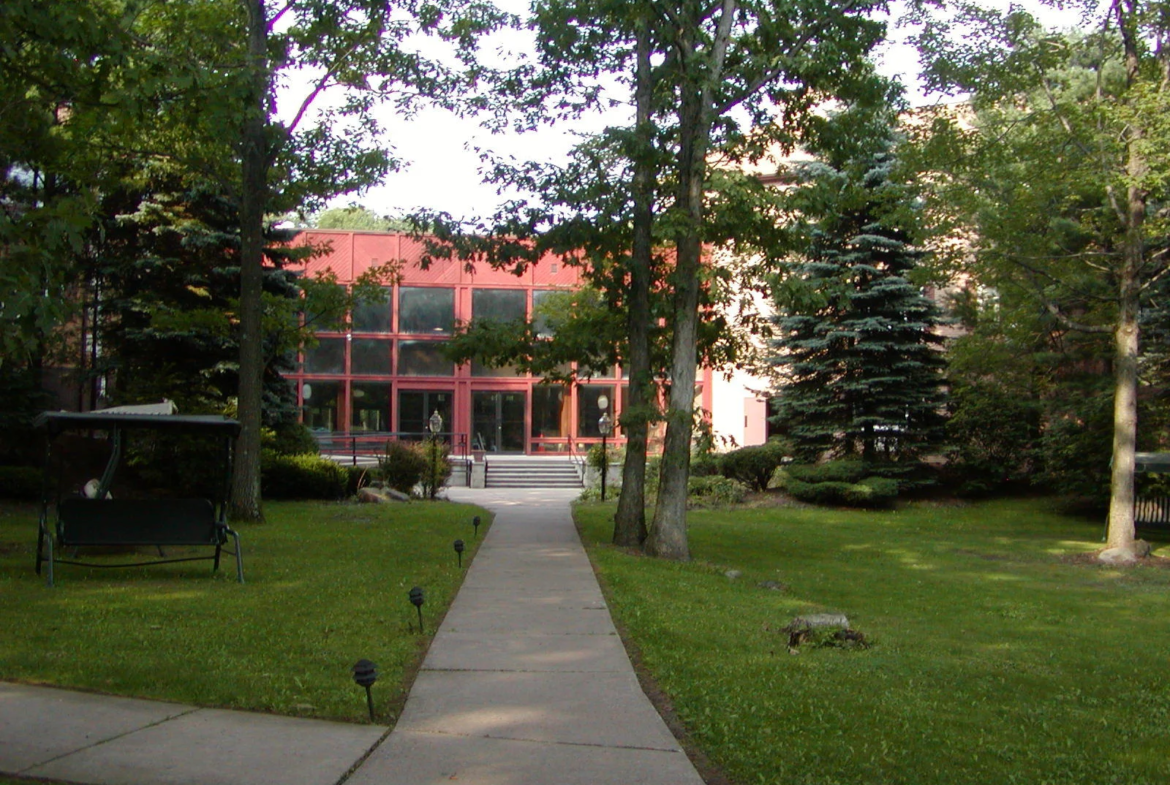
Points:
[[436, 467], [869, 492], [594, 456], [846, 471], [995, 436], [20, 482], [291, 438], [301, 477], [716, 490], [705, 464], [753, 466], [402, 466], [356, 478]]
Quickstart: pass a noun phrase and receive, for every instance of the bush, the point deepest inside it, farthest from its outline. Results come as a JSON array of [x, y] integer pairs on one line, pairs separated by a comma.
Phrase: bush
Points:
[[593, 458], [356, 478], [436, 467], [301, 477], [705, 464], [753, 466], [848, 472], [716, 490], [292, 438], [870, 492], [995, 436], [20, 482], [402, 466]]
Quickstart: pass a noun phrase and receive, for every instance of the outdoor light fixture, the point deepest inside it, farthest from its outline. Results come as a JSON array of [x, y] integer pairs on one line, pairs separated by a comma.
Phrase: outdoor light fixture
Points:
[[365, 673], [416, 599], [605, 426], [475, 524], [459, 552], [435, 423]]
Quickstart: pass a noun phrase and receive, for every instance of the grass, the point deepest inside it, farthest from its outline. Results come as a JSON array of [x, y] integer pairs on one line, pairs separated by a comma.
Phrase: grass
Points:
[[1001, 653], [326, 586]]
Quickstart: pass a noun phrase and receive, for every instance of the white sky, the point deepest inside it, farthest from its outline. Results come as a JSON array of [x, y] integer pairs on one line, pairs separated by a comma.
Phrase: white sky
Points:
[[442, 168]]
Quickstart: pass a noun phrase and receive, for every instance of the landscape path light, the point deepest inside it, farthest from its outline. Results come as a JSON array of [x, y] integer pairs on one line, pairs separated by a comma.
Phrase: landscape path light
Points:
[[365, 673], [475, 522], [416, 599], [459, 552]]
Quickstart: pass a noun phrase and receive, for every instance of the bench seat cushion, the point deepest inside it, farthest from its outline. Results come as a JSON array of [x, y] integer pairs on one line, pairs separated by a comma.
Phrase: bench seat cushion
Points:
[[137, 522]]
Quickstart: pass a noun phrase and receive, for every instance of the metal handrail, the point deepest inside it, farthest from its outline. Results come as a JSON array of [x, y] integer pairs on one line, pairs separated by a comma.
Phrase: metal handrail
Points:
[[372, 444]]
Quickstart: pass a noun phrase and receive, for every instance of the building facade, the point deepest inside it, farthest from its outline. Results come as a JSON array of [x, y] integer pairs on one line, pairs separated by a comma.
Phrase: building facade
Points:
[[386, 372]]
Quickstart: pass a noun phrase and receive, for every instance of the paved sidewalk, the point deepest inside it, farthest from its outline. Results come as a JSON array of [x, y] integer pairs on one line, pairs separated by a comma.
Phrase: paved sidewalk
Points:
[[526, 682]]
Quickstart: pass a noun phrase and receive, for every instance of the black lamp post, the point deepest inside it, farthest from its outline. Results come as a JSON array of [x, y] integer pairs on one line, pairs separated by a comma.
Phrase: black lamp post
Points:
[[459, 552], [416, 599], [436, 425], [605, 425], [365, 673], [475, 523]]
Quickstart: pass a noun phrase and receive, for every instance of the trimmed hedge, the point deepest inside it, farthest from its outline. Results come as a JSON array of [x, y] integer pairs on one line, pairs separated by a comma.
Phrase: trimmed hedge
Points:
[[873, 492], [850, 472], [753, 466], [302, 477], [20, 482]]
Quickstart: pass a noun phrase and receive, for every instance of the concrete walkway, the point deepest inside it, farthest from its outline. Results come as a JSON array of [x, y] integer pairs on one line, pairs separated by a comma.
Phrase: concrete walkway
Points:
[[525, 682]]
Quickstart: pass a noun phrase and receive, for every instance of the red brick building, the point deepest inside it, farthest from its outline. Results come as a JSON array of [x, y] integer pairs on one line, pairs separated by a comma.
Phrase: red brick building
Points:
[[386, 373]]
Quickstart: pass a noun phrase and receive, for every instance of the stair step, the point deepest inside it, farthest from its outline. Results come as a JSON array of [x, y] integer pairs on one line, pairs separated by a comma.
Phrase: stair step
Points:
[[532, 474]]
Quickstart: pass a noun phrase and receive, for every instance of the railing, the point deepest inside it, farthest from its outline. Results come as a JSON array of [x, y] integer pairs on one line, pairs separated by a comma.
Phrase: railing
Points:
[[373, 444]]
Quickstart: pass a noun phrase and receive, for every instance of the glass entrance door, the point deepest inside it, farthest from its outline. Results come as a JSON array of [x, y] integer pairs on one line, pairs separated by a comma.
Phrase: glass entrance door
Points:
[[497, 421]]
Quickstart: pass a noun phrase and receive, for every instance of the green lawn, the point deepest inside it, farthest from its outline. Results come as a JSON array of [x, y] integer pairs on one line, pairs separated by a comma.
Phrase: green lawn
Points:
[[1000, 654], [326, 586]]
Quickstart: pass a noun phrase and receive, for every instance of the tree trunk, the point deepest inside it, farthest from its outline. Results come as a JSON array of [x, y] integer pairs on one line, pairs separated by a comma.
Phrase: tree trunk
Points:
[[629, 528], [253, 192], [1120, 533], [668, 534], [1121, 495]]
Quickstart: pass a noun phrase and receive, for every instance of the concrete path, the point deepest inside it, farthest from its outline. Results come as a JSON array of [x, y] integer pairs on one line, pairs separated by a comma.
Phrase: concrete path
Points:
[[526, 682], [77, 737]]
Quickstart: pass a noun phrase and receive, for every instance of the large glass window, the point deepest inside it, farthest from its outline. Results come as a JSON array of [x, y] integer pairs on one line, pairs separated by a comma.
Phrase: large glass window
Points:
[[423, 358], [426, 310], [589, 409], [374, 316], [499, 305], [415, 408], [328, 356], [369, 407], [369, 357], [550, 411], [322, 402]]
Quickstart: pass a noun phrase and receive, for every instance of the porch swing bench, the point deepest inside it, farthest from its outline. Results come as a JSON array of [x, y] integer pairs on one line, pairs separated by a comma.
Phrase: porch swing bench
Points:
[[102, 521]]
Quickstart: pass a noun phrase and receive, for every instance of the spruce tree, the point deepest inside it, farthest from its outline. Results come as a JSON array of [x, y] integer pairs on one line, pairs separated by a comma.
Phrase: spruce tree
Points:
[[858, 343]]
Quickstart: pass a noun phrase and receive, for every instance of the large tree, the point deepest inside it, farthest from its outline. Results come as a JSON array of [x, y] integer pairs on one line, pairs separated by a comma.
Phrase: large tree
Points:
[[857, 340], [362, 51], [1059, 176], [729, 77]]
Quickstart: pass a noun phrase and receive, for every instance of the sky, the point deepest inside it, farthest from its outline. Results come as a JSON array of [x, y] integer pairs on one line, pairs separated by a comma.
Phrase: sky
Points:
[[442, 169]]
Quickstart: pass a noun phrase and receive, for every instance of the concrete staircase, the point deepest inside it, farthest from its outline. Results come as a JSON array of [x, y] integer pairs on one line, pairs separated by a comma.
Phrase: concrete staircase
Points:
[[532, 473]]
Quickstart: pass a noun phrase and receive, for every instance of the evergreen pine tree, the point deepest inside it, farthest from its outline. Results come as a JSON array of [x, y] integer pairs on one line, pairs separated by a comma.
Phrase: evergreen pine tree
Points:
[[858, 344]]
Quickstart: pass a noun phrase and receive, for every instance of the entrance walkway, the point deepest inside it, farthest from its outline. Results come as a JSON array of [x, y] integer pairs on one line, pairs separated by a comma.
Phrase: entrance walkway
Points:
[[525, 683]]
